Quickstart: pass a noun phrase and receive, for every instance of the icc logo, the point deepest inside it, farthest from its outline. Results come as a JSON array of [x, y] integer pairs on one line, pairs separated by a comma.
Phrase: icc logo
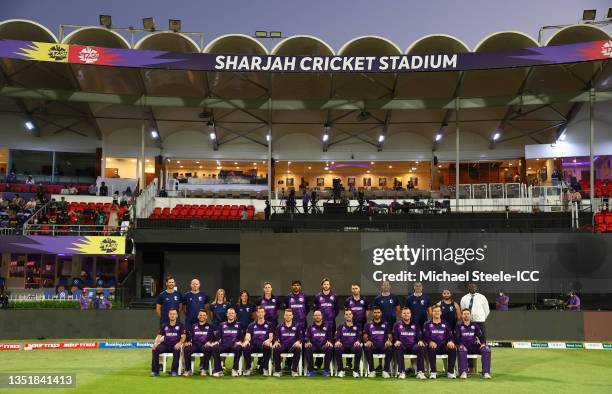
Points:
[[89, 55], [606, 49], [57, 52], [108, 245]]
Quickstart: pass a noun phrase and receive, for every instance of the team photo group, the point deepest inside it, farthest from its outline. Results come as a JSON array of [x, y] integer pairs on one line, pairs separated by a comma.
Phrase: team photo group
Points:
[[397, 334]]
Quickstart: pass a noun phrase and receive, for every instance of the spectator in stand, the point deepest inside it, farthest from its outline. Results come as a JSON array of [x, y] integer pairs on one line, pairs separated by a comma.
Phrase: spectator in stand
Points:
[[501, 302], [128, 192], [11, 177], [113, 218], [31, 204], [103, 189], [62, 205], [573, 302], [410, 185], [73, 190], [162, 193], [30, 180], [100, 220], [92, 189], [84, 301], [305, 200], [116, 197], [267, 210]]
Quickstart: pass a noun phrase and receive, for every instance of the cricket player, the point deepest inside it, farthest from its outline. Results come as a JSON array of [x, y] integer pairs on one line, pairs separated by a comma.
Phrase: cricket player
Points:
[[378, 339], [357, 304], [408, 340], [288, 339], [326, 302], [168, 299], [419, 304], [169, 339], [258, 339], [201, 339], [298, 302], [471, 341], [270, 303], [451, 311], [193, 301], [388, 302], [439, 339], [318, 340], [348, 341], [230, 335]]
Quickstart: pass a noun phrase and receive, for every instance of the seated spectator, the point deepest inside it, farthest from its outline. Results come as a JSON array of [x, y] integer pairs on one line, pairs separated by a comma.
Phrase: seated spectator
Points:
[[125, 199], [11, 178], [103, 189], [62, 205], [61, 292], [163, 193], [30, 180], [128, 192], [92, 189], [116, 197], [31, 204], [73, 190]]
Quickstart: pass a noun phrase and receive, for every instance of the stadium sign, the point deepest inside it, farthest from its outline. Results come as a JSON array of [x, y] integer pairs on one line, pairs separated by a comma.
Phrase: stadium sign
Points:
[[115, 57], [10, 346], [66, 245], [60, 345]]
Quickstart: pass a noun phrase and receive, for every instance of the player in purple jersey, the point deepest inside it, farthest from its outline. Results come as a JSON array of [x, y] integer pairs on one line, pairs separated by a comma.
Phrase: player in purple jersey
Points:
[[470, 340], [318, 340], [359, 305], [502, 301], [287, 339], [573, 302], [348, 341], [439, 338], [326, 302], [451, 311], [408, 340], [270, 303], [201, 339], [230, 336], [84, 301], [258, 339], [298, 302], [169, 339], [378, 339]]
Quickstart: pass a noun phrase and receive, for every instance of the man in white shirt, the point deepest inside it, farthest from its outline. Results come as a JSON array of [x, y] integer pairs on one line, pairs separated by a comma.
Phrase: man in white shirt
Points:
[[478, 306]]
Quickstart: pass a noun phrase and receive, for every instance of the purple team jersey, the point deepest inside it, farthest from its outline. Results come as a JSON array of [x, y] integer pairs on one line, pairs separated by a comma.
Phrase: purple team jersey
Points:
[[299, 305], [259, 332], [348, 335], [172, 334], [574, 301], [271, 306], [440, 333], [408, 334], [327, 304], [201, 334], [377, 332], [467, 335], [84, 301], [359, 308], [503, 302], [288, 335], [318, 334], [230, 333]]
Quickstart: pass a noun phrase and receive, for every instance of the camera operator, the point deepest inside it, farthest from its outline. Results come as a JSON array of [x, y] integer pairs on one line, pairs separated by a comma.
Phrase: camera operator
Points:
[[290, 203]]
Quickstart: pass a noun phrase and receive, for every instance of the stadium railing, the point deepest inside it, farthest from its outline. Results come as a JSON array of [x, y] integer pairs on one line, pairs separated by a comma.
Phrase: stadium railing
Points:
[[54, 230], [8, 231]]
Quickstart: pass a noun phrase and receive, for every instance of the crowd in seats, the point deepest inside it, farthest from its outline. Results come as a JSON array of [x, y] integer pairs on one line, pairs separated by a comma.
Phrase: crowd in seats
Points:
[[213, 212], [603, 187], [16, 211], [603, 222]]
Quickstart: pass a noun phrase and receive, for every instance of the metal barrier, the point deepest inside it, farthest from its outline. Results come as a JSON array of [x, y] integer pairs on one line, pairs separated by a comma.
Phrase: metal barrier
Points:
[[8, 231], [145, 202], [75, 230]]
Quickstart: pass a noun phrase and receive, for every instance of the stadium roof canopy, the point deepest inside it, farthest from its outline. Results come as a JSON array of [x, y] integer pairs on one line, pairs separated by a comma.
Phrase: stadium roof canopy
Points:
[[238, 118]]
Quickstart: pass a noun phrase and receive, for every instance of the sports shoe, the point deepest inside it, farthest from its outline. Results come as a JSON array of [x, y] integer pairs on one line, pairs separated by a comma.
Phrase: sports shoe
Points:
[[277, 374], [311, 374], [432, 375], [356, 374], [187, 373], [203, 372], [174, 374], [326, 373], [340, 374], [463, 375], [235, 373], [217, 374], [451, 375], [154, 374], [294, 374], [265, 372], [386, 375], [487, 376], [420, 375], [402, 375], [372, 374], [248, 372]]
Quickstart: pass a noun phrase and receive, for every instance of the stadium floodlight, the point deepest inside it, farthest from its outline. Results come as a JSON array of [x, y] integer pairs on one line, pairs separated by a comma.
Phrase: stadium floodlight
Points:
[[268, 137], [211, 130], [381, 138], [496, 136], [261, 34], [326, 128], [325, 137], [29, 125], [562, 135], [148, 24], [276, 34], [212, 136], [589, 15], [174, 25], [154, 134], [438, 137], [106, 21]]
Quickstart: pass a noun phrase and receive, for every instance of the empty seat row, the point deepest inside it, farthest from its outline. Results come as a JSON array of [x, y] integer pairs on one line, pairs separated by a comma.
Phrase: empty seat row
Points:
[[222, 212], [603, 222]]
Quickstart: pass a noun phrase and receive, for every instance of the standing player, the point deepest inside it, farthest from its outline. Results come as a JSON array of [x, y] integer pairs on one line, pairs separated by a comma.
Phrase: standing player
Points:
[[408, 340], [348, 340], [439, 338], [318, 340], [168, 299], [193, 302], [378, 339], [573, 302], [201, 340], [357, 304], [502, 301], [270, 303], [419, 304], [451, 311], [389, 303], [245, 310], [218, 309], [326, 302], [170, 338], [471, 341], [230, 336], [298, 302], [258, 338], [288, 339]]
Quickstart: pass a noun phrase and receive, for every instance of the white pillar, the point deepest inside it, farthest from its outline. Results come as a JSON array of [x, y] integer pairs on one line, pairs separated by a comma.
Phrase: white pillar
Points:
[[457, 153], [594, 204], [53, 168], [270, 164]]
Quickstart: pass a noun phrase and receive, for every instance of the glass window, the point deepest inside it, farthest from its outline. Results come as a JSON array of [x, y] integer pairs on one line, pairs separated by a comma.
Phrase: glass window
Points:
[[47, 270], [17, 266], [32, 271]]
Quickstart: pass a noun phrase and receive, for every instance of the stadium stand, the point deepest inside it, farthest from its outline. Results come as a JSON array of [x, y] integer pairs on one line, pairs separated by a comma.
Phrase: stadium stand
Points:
[[213, 212]]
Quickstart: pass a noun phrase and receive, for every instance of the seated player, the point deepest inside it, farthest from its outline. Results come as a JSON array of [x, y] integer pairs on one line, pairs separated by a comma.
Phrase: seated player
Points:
[[230, 336], [471, 341], [201, 340], [439, 339], [170, 338], [288, 339], [318, 340], [348, 340], [258, 339], [408, 340], [377, 339]]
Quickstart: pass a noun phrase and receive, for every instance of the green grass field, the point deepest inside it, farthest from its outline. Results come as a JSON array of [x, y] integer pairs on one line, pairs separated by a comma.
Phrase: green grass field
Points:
[[127, 371]]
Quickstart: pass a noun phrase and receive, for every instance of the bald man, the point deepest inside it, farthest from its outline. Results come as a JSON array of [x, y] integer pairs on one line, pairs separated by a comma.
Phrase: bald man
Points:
[[194, 301]]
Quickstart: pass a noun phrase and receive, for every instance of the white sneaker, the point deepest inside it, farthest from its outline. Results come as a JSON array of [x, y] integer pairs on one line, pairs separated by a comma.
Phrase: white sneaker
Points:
[[217, 374], [340, 374], [402, 375], [277, 374], [265, 372], [248, 372], [372, 374], [463, 375], [420, 375], [356, 374], [432, 375], [487, 376], [295, 374], [203, 372], [235, 373], [386, 375], [451, 375]]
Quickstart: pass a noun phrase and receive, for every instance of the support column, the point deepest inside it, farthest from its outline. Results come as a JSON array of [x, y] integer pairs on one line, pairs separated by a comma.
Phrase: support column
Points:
[[594, 205], [270, 180], [457, 153], [103, 159], [53, 168], [142, 156]]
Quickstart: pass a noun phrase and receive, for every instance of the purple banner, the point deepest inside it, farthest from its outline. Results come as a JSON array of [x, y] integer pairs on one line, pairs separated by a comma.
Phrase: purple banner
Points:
[[62, 245], [92, 55]]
